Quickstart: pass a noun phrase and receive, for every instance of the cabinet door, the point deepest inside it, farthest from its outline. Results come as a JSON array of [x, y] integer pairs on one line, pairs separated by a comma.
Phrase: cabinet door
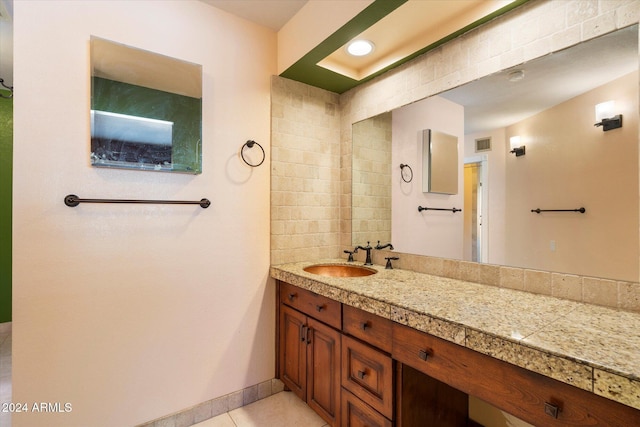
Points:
[[356, 413], [323, 371], [293, 350]]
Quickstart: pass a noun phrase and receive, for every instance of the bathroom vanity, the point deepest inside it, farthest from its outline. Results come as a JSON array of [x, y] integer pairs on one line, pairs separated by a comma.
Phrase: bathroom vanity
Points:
[[407, 349]]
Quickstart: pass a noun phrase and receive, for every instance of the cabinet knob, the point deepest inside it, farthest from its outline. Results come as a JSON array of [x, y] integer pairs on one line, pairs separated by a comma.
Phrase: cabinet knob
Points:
[[361, 374], [320, 307], [292, 296], [423, 354], [551, 409], [364, 326]]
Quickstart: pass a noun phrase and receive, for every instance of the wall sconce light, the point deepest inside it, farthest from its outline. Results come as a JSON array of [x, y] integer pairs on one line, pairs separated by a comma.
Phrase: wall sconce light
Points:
[[606, 117], [516, 148]]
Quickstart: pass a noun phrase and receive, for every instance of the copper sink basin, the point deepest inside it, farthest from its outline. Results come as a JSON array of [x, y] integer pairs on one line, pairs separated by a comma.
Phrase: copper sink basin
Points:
[[340, 270]]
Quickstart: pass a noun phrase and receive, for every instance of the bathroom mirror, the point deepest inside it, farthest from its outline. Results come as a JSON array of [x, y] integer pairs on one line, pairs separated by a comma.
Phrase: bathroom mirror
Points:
[[569, 163], [146, 110], [439, 162]]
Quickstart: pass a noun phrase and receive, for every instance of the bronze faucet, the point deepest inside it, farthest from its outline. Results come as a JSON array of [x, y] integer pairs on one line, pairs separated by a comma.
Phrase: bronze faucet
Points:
[[368, 249], [388, 245]]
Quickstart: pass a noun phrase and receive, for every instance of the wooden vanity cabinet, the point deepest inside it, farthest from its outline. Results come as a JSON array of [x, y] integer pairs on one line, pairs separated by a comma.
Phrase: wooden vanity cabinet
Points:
[[309, 350], [534, 398], [357, 369]]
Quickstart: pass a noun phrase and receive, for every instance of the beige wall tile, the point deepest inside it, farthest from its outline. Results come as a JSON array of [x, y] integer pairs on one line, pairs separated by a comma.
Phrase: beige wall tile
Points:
[[512, 278], [629, 296], [537, 282], [566, 286], [489, 274], [600, 291]]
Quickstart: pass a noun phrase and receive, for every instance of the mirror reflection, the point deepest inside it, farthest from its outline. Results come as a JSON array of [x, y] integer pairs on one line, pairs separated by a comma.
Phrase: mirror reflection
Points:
[[146, 110], [529, 143], [439, 162]]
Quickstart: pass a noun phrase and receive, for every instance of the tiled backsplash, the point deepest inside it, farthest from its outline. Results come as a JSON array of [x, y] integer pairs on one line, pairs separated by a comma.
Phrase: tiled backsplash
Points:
[[371, 201], [312, 142], [305, 171], [590, 290]]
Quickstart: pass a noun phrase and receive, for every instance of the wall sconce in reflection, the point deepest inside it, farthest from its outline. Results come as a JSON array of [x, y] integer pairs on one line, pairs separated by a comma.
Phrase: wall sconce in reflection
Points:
[[516, 147], [606, 117]]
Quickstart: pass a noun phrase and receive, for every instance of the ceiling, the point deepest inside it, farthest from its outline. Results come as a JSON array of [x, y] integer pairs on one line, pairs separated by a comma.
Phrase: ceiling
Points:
[[404, 29], [400, 30], [268, 13], [548, 81], [425, 24]]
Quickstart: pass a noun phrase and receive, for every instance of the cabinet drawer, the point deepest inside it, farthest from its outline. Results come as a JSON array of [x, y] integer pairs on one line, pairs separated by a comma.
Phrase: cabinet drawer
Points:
[[534, 398], [370, 328], [314, 305], [356, 413], [431, 355], [368, 374]]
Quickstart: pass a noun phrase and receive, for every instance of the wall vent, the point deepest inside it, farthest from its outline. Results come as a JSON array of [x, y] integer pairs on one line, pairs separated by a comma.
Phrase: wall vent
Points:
[[483, 144]]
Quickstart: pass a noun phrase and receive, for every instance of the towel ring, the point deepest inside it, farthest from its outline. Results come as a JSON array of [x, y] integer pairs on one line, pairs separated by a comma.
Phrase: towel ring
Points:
[[402, 166], [250, 143]]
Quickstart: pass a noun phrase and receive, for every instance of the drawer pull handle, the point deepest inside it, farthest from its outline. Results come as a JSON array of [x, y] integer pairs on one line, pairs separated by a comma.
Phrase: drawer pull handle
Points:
[[423, 354], [361, 374], [320, 307], [292, 296], [551, 409], [365, 325]]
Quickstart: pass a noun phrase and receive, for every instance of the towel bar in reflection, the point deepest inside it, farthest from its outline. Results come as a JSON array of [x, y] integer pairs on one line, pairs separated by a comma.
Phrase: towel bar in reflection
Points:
[[454, 210], [538, 210]]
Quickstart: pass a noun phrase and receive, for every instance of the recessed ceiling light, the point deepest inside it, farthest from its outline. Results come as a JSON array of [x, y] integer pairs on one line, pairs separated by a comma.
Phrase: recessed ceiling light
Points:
[[360, 47]]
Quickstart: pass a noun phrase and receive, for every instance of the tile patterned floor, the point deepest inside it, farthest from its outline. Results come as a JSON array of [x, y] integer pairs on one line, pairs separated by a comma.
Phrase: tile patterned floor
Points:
[[283, 409], [5, 376]]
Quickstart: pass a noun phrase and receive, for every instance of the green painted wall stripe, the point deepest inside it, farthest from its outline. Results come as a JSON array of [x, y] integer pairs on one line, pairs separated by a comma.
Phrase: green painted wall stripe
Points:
[[307, 71], [6, 167]]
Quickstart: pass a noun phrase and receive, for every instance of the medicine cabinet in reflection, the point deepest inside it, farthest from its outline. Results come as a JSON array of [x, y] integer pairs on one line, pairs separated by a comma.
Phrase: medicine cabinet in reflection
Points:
[[439, 162], [146, 110]]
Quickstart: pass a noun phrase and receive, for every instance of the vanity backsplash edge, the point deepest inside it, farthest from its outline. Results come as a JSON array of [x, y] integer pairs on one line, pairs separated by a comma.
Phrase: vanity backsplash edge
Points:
[[618, 294]]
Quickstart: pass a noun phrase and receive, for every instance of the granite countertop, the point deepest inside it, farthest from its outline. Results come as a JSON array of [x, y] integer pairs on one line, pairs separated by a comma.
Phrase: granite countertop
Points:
[[594, 348]]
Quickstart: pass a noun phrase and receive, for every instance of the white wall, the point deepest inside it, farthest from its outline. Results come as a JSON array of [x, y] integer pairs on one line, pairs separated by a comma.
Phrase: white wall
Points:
[[435, 233], [132, 312], [571, 164], [566, 167]]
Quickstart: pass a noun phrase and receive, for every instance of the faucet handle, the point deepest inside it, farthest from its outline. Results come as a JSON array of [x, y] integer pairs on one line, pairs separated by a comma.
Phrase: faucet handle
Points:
[[388, 245], [350, 259], [389, 259]]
